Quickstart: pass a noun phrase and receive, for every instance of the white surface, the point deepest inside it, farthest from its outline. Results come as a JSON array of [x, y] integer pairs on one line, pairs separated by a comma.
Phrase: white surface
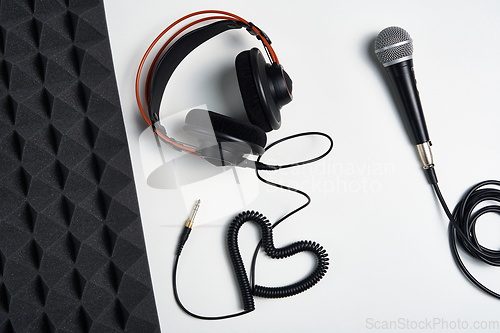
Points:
[[372, 208]]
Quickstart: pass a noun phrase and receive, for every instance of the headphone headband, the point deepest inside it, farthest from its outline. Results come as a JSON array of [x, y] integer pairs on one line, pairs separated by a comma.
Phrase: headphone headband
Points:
[[162, 70]]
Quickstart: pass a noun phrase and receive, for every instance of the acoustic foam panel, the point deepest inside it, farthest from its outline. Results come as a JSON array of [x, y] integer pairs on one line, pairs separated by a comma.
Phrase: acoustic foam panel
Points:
[[72, 252]]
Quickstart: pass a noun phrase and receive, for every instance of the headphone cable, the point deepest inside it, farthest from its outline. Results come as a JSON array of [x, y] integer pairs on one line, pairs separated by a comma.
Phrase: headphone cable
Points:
[[260, 219], [287, 188]]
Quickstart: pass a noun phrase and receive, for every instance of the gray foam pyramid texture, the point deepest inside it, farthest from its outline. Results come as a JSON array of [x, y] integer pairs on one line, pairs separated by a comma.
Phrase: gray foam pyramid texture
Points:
[[72, 252]]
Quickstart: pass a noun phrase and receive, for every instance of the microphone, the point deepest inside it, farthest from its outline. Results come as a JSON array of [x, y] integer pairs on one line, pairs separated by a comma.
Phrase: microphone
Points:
[[394, 49]]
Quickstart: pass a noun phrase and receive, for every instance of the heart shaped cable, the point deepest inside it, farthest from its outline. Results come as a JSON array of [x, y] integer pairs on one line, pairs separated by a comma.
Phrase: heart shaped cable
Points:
[[275, 253]]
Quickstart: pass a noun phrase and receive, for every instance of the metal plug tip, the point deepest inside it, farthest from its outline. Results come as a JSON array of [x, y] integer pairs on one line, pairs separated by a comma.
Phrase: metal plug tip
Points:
[[190, 220]]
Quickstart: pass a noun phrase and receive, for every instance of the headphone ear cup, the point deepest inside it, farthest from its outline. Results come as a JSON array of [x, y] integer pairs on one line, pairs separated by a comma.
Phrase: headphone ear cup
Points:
[[264, 88], [225, 129], [238, 129], [249, 93]]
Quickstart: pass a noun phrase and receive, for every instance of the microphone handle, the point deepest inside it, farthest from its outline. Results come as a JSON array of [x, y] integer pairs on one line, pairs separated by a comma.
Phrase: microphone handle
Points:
[[403, 79]]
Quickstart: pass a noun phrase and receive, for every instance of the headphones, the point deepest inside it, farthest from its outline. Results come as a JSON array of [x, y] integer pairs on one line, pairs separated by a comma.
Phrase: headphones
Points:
[[265, 88]]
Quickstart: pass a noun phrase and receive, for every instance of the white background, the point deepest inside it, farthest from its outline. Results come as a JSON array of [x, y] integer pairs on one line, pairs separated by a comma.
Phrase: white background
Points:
[[372, 208]]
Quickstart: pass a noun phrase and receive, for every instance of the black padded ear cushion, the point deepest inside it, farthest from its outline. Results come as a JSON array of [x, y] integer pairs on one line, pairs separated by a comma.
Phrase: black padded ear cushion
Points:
[[249, 93], [227, 125]]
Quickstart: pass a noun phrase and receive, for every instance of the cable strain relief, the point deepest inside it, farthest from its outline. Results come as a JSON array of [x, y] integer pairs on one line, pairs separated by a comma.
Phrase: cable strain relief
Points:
[[183, 239], [430, 174], [262, 166], [179, 249]]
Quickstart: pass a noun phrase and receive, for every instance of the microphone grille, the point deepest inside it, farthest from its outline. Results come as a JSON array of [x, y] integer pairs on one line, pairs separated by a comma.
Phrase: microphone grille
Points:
[[393, 45]]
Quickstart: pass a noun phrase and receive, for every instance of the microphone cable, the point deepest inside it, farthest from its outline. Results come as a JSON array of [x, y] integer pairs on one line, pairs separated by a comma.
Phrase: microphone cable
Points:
[[249, 289], [462, 227]]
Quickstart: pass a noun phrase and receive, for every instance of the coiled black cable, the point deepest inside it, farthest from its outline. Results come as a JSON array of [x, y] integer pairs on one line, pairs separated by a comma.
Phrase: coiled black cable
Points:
[[248, 290], [462, 228], [275, 253]]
